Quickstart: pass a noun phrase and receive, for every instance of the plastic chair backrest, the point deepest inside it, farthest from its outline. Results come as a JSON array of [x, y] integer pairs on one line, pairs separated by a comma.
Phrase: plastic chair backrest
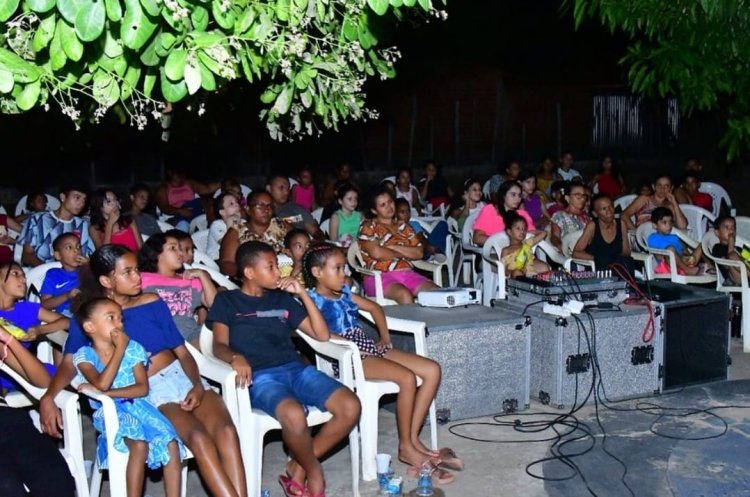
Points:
[[200, 240], [53, 203], [718, 193], [198, 223], [569, 242], [467, 234], [699, 220], [35, 278]]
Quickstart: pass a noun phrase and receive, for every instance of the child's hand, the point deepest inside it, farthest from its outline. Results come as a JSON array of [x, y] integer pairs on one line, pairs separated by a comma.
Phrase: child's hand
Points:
[[82, 259], [119, 339], [86, 386], [193, 399], [291, 285], [190, 274], [31, 334], [72, 293], [244, 371], [384, 344]]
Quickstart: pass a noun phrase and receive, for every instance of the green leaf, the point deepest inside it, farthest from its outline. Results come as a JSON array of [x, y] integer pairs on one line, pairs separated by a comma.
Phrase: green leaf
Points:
[[207, 39], [174, 68], [149, 80], [350, 28], [380, 7], [199, 18], [223, 19], [426, 5], [57, 55], [8, 8], [114, 10], [172, 92], [192, 78], [112, 47], [208, 81], [44, 33], [210, 63], [129, 82], [29, 95], [167, 40], [270, 94], [90, 22], [40, 6], [6, 81], [284, 100], [150, 55], [152, 7], [245, 21], [282, 10], [22, 70], [70, 44], [69, 8], [136, 27], [410, 3], [105, 89]]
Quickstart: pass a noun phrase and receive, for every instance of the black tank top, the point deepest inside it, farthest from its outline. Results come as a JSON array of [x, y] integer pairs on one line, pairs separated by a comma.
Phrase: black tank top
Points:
[[601, 250]]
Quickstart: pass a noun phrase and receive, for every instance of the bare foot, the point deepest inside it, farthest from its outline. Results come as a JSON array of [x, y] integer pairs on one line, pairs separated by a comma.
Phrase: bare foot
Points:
[[295, 472], [412, 456]]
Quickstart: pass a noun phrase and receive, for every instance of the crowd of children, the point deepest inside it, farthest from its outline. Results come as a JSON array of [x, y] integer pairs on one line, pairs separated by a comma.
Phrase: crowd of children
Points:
[[109, 272]]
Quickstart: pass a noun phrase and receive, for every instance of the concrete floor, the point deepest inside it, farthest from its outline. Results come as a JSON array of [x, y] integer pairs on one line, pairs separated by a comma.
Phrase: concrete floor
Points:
[[497, 469]]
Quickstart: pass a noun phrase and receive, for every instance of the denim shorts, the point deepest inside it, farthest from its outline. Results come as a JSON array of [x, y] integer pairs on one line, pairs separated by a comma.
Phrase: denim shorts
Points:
[[294, 380], [171, 384]]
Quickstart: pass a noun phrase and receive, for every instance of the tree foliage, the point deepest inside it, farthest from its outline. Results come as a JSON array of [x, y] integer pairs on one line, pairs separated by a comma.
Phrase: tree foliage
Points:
[[311, 57], [697, 50]]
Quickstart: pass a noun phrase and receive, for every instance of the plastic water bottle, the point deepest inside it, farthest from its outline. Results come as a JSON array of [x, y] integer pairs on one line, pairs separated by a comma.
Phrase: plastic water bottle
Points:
[[265, 493], [424, 483]]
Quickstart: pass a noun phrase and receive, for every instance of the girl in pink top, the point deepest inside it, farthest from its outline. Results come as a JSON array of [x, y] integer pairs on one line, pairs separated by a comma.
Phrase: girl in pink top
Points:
[[490, 218], [108, 225], [303, 193]]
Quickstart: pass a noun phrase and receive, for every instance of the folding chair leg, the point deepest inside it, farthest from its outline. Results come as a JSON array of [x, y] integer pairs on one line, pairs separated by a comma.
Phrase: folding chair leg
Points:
[[368, 428]]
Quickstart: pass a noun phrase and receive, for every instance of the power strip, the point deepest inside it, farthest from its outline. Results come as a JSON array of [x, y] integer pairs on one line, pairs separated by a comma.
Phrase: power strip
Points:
[[555, 310]]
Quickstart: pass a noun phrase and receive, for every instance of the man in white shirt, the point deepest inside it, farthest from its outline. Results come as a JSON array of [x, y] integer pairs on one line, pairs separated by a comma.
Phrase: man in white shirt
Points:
[[566, 171]]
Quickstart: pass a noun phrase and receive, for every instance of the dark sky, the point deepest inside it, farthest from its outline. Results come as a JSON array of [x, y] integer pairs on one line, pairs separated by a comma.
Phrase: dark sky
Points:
[[530, 41]]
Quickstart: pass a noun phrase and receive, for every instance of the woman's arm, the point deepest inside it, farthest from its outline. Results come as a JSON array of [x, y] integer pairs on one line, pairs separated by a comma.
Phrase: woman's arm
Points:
[[555, 234], [22, 361], [138, 239], [227, 252], [407, 252], [53, 322], [373, 248], [96, 236], [479, 237], [333, 227], [625, 239], [539, 235], [579, 251], [632, 209], [204, 188], [14, 224]]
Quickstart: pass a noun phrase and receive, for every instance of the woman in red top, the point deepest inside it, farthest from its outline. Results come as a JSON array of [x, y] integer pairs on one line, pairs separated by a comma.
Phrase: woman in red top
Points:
[[609, 180], [7, 241], [108, 225]]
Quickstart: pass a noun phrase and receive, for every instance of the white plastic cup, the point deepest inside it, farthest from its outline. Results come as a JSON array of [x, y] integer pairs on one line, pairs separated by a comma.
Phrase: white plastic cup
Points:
[[383, 462], [88, 467]]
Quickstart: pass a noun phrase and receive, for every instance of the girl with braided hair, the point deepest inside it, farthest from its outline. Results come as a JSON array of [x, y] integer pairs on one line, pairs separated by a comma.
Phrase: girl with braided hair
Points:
[[323, 269]]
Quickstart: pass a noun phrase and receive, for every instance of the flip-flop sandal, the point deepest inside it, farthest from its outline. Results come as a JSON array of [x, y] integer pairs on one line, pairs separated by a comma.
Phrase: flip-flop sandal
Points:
[[287, 485], [449, 460]]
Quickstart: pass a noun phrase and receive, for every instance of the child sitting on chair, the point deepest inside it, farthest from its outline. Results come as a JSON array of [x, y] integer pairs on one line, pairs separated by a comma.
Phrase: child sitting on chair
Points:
[[296, 243], [253, 329], [726, 231], [663, 238], [61, 284], [518, 256]]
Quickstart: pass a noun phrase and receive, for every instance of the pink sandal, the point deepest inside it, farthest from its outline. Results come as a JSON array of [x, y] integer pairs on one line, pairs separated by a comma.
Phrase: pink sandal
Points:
[[287, 485]]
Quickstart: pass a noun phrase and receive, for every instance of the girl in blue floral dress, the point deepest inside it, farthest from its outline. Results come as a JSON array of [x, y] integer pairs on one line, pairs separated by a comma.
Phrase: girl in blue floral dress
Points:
[[116, 365], [323, 269]]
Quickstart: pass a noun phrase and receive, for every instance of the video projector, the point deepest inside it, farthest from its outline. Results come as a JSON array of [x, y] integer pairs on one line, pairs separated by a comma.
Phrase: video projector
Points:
[[449, 297]]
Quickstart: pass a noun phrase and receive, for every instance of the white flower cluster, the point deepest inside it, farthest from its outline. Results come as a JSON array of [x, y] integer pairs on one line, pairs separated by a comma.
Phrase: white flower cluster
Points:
[[177, 10], [224, 6], [286, 68], [295, 44], [227, 63], [20, 33]]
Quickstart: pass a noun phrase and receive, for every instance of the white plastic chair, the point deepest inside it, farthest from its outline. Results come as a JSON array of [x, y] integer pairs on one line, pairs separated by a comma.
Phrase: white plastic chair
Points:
[[198, 223], [317, 214], [464, 263], [200, 240], [35, 278], [493, 269], [72, 444], [325, 226], [213, 370], [743, 227], [568, 244], [642, 234], [723, 285], [486, 191], [53, 203], [164, 226], [622, 203], [219, 278], [244, 189], [719, 194], [470, 250], [699, 220], [433, 267], [202, 259], [370, 391], [254, 423], [354, 257]]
